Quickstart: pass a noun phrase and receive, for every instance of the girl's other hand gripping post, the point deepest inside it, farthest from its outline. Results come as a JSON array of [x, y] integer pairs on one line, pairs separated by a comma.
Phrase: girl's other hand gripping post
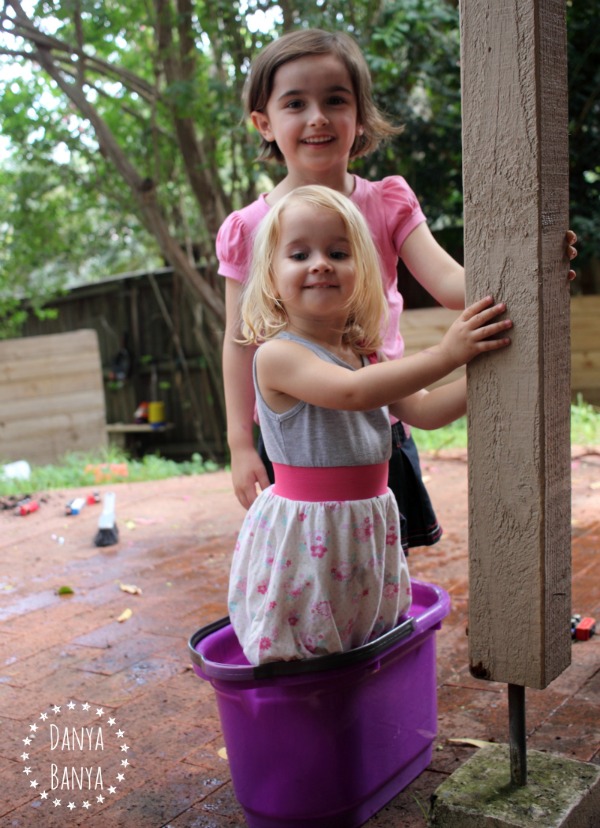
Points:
[[470, 335], [571, 251]]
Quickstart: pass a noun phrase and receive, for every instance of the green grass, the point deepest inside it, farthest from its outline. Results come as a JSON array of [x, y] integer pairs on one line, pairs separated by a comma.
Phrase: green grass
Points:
[[70, 473], [585, 431]]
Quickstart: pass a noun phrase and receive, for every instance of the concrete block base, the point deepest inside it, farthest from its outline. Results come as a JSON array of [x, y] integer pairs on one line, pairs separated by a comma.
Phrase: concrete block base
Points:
[[560, 793]]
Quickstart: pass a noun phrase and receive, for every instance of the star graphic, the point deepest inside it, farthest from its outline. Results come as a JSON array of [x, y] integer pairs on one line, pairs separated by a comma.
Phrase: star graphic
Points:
[[56, 803], [26, 740], [71, 705], [99, 711], [24, 756], [27, 771], [85, 706], [112, 789], [44, 795], [111, 721], [124, 762], [56, 708], [120, 733], [120, 777], [33, 728], [86, 804], [43, 716], [125, 748], [100, 798], [71, 806], [34, 783]]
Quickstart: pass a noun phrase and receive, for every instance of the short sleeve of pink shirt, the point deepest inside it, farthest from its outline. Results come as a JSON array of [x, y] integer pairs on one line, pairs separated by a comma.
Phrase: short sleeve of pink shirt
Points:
[[234, 239], [392, 212]]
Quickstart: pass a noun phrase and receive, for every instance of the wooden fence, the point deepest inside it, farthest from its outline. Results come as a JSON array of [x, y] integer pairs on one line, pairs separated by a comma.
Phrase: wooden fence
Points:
[[425, 326], [147, 333], [149, 314]]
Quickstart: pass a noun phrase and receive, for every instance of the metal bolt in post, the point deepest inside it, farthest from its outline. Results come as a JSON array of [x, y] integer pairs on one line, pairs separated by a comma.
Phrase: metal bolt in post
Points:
[[516, 734]]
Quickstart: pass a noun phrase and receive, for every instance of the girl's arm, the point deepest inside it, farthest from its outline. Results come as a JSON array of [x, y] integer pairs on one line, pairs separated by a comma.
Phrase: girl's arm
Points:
[[287, 372], [247, 469], [433, 409], [436, 270]]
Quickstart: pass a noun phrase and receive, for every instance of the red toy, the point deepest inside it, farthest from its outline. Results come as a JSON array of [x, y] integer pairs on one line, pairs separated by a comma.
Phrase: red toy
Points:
[[585, 629], [26, 507]]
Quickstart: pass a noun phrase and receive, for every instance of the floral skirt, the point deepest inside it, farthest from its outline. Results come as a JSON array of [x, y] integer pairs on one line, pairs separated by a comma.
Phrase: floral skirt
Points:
[[313, 578]]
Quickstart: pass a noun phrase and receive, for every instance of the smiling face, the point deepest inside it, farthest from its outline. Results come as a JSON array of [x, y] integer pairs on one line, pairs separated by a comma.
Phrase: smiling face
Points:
[[314, 266], [311, 114]]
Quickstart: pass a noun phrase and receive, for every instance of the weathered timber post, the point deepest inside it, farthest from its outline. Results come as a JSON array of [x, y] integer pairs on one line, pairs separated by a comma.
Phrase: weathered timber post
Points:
[[515, 165]]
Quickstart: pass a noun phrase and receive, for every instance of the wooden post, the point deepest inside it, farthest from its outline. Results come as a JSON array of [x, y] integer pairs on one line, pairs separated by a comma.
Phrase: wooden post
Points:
[[515, 158]]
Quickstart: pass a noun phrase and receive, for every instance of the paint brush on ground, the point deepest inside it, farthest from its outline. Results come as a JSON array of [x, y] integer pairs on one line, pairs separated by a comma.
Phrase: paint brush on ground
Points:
[[108, 533]]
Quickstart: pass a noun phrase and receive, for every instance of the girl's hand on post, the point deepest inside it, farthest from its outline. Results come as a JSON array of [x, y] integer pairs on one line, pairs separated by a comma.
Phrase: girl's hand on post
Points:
[[470, 334]]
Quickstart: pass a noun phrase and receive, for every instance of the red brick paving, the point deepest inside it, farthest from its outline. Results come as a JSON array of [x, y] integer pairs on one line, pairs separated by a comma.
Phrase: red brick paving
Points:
[[176, 538]]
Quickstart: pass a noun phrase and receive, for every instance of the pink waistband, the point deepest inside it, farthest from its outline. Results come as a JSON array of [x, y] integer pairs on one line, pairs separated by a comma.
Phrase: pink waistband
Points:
[[332, 483]]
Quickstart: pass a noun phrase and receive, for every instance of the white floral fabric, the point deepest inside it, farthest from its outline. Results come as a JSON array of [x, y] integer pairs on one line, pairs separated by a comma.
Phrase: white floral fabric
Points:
[[311, 579]]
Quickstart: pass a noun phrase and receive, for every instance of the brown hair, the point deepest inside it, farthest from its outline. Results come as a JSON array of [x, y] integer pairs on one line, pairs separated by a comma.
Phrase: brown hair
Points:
[[305, 43]]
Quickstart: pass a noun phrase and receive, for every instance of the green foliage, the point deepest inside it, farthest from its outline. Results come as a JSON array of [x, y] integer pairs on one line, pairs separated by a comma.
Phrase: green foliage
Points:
[[167, 89], [70, 471], [585, 430], [53, 231], [584, 126], [453, 436], [414, 56], [585, 423]]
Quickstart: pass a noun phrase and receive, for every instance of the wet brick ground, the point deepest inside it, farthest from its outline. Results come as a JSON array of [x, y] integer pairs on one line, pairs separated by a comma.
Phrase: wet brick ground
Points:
[[175, 544]]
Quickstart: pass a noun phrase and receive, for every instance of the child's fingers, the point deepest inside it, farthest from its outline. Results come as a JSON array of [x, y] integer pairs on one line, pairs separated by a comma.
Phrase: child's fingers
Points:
[[486, 331], [493, 344], [481, 317], [477, 307], [481, 340]]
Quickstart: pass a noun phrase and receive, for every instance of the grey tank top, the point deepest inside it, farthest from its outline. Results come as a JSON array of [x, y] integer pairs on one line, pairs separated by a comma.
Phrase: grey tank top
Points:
[[308, 435]]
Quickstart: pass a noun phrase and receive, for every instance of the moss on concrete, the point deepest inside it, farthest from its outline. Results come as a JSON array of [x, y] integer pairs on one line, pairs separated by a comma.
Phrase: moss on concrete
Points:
[[559, 792]]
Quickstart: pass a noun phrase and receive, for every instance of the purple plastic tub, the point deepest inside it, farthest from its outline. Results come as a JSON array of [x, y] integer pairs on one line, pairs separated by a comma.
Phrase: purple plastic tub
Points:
[[327, 742]]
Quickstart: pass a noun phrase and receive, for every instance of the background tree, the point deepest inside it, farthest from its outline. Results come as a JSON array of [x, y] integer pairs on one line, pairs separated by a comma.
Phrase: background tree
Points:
[[123, 146], [128, 145], [584, 138], [129, 117]]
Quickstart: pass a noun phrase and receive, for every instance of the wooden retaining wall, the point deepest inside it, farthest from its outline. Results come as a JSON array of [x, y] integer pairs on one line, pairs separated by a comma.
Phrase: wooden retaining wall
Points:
[[425, 326], [51, 397]]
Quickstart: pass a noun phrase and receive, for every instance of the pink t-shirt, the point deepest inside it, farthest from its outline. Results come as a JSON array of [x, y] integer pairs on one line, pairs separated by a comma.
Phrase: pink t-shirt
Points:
[[392, 212]]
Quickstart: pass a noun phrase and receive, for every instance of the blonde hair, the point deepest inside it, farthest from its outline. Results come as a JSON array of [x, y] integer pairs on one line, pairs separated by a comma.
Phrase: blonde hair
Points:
[[306, 43], [263, 313]]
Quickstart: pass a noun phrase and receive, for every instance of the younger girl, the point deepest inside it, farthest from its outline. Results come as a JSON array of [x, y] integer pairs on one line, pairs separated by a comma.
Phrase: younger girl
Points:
[[319, 566], [309, 96]]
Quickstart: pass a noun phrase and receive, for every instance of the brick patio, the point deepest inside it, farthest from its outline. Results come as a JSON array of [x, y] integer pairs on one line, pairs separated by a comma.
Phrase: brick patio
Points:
[[175, 544]]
